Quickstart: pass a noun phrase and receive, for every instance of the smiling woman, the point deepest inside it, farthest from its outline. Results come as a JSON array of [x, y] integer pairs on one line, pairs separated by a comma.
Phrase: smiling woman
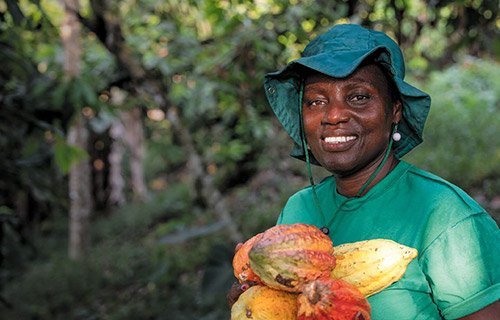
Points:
[[347, 108], [346, 124]]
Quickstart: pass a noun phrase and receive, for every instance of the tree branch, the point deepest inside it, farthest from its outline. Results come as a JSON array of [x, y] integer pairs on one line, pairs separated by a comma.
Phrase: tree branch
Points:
[[209, 192]]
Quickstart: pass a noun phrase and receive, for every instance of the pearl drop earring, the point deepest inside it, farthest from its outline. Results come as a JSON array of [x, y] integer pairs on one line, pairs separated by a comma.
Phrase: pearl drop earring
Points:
[[396, 136]]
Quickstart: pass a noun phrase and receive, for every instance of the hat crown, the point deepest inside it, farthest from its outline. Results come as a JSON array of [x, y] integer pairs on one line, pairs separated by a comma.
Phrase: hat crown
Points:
[[354, 38]]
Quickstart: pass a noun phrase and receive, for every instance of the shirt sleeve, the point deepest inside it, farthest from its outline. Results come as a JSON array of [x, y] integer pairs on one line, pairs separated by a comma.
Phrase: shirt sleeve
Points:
[[463, 266], [280, 217]]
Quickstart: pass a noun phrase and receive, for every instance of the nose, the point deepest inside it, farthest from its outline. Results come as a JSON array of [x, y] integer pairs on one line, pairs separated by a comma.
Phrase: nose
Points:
[[335, 113]]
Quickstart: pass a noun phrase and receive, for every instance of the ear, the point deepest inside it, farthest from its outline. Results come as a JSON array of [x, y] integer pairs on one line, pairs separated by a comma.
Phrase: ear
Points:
[[397, 111]]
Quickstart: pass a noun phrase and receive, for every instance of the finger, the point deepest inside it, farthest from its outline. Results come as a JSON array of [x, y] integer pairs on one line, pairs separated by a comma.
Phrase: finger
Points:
[[233, 294], [244, 286]]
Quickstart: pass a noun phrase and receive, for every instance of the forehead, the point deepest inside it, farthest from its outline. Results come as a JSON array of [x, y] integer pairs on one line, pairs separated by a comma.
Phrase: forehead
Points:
[[370, 74]]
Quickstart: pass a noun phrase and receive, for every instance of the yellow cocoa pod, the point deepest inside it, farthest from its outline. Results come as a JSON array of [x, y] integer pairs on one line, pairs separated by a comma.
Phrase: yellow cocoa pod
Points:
[[372, 265], [263, 303]]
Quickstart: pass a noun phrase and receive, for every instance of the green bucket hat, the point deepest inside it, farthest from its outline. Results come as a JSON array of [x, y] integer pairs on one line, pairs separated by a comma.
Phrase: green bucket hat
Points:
[[337, 53]]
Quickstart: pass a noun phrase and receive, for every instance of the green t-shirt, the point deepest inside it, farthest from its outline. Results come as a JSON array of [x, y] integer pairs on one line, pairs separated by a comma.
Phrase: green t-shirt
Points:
[[457, 271]]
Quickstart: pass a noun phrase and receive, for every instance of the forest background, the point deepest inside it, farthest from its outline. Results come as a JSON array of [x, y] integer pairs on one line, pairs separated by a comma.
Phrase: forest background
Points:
[[137, 147]]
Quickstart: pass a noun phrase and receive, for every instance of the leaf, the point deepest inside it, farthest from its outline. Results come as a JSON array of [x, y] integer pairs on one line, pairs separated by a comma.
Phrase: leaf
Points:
[[89, 96], [40, 87], [66, 155], [59, 95], [75, 94], [4, 210]]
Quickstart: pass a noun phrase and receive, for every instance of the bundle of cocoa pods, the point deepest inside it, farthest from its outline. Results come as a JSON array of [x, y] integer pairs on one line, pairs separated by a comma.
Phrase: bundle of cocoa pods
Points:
[[293, 272]]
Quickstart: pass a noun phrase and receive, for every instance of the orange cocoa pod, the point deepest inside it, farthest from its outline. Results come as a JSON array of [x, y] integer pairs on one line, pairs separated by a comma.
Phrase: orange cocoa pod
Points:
[[285, 257], [332, 299], [263, 303], [241, 263]]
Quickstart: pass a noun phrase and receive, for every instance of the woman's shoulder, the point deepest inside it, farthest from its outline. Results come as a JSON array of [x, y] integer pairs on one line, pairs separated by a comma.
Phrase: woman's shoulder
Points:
[[438, 190]]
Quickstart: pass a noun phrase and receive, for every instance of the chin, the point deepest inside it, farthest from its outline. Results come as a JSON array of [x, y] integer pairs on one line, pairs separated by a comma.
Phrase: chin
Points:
[[339, 168]]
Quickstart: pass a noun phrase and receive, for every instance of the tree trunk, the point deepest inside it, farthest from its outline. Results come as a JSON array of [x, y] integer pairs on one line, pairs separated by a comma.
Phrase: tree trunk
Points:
[[80, 194], [116, 180], [134, 137], [80, 174]]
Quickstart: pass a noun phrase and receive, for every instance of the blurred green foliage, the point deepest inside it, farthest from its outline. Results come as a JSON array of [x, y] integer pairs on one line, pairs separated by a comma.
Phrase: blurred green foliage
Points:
[[131, 274], [461, 137]]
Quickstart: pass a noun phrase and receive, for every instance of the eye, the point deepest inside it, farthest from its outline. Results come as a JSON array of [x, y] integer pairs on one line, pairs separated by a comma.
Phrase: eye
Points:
[[359, 98], [314, 102]]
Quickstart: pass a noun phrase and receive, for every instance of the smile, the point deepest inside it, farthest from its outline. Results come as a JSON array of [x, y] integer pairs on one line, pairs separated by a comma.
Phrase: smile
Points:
[[340, 139]]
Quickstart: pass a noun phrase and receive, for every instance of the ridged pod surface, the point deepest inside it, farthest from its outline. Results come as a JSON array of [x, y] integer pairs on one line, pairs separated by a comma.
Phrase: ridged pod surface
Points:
[[263, 303], [241, 263], [287, 256], [332, 299], [372, 265]]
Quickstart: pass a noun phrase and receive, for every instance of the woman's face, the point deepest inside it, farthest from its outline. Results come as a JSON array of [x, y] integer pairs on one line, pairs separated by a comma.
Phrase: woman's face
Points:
[[348, 121]]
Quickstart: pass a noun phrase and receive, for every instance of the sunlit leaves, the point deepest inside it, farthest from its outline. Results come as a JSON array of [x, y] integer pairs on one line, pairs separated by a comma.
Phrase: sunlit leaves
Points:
[[66, 155], [212, 55]]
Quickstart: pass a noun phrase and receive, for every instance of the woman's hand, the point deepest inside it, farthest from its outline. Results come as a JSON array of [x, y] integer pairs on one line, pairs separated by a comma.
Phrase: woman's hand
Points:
[[236, 290], [234, 293], [359, 316]]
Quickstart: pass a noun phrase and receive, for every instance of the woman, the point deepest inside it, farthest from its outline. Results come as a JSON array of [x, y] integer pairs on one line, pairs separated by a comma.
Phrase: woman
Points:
[[347, 108]]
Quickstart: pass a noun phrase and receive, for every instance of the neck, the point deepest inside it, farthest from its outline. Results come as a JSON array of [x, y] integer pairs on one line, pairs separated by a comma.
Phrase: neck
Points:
[[350, 185]]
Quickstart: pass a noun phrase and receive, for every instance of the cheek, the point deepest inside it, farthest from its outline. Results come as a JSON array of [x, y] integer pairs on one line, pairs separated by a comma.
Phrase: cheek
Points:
[[308, 127], [378, 123], [311, 131], [312, 121]]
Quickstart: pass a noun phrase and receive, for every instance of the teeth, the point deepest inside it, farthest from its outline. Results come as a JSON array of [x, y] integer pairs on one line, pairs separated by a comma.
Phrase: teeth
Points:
[[339, 139]]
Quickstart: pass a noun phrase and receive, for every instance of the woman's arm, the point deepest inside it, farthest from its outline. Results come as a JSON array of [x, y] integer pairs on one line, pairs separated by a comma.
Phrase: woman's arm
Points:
[[491, 312]]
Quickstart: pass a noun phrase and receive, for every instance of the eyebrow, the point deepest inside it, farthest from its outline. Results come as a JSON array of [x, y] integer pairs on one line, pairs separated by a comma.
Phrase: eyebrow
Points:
[[357, 80], [349, 82]]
